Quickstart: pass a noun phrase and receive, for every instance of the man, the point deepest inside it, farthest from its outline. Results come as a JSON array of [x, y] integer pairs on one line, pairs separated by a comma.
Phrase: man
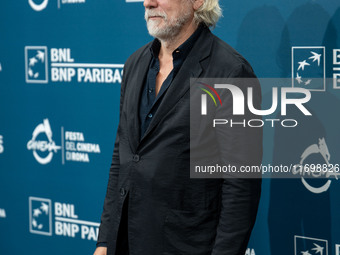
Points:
[[152, 206]]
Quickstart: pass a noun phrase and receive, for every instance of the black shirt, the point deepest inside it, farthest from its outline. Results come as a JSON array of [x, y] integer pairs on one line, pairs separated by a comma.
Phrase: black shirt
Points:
[[149, 103]]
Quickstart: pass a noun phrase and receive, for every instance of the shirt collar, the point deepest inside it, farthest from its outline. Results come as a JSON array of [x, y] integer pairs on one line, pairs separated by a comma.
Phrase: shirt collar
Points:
[[183, 49]]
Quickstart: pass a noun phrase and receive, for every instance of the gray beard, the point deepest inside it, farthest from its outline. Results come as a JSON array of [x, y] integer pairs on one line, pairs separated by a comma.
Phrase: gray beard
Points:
[[169, 32]]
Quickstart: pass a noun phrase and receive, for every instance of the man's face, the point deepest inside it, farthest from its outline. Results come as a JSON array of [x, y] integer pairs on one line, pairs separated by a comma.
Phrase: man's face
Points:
[[166, 18]]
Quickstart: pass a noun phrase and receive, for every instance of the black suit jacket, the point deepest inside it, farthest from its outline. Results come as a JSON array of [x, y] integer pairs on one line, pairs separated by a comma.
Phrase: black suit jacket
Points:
[[169, 212]]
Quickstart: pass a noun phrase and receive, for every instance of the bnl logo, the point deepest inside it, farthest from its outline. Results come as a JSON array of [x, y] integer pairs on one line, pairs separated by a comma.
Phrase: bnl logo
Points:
[[310, 246], [40, 216], [250, 252], [336, 68], [309, 68], [36, 64], [337, 249]]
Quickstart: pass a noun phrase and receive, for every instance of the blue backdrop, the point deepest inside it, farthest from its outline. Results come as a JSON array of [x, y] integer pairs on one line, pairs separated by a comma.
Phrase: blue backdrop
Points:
[[60, 71]]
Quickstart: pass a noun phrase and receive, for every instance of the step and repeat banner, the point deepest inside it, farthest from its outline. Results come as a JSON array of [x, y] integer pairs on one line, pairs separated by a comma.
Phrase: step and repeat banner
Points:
[[61, 64]]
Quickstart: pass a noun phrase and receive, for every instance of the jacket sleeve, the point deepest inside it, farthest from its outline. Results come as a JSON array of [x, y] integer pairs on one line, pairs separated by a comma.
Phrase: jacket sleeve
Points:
[[238, 146], [240, 198], [108, 209]]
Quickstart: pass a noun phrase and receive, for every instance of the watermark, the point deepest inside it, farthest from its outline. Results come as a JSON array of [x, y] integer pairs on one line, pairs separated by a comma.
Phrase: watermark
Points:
[[227, 122], [237, 102], [238, 97], [307, 170]]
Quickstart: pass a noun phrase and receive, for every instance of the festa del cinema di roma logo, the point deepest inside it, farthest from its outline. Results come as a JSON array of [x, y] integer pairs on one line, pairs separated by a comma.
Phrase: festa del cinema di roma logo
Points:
[[239, 105], [48, 147], [39, 5], [1, 144], [66, 222], [325, 171], [73, 145], [57, 65]]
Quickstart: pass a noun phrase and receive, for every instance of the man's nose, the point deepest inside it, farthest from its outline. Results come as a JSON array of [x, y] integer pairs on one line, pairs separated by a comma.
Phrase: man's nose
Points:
[[150, 3]]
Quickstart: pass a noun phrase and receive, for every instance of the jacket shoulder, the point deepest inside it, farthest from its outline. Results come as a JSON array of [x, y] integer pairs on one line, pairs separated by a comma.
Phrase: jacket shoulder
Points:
[[227, 58], [134, 57]]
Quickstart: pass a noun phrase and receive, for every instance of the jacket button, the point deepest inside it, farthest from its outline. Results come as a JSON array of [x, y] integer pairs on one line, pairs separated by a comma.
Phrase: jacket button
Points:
[[135, 158], [122, 192]]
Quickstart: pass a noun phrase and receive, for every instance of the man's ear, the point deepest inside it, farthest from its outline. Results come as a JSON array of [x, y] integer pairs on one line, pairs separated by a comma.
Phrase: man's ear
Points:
[[197, 4]]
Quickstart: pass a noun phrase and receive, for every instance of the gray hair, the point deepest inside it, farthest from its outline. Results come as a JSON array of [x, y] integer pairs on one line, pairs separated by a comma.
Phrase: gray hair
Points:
[[209, 13]]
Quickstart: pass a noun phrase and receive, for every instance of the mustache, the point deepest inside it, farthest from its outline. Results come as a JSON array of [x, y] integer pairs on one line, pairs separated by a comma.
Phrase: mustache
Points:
[[151, 13]]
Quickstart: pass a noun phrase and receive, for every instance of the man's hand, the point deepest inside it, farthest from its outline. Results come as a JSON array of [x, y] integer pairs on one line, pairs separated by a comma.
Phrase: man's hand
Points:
[[100, 251]]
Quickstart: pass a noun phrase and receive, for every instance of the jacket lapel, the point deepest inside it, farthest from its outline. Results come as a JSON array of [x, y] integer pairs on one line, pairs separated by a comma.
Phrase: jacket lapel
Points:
[[133, 105], [191, 68]]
